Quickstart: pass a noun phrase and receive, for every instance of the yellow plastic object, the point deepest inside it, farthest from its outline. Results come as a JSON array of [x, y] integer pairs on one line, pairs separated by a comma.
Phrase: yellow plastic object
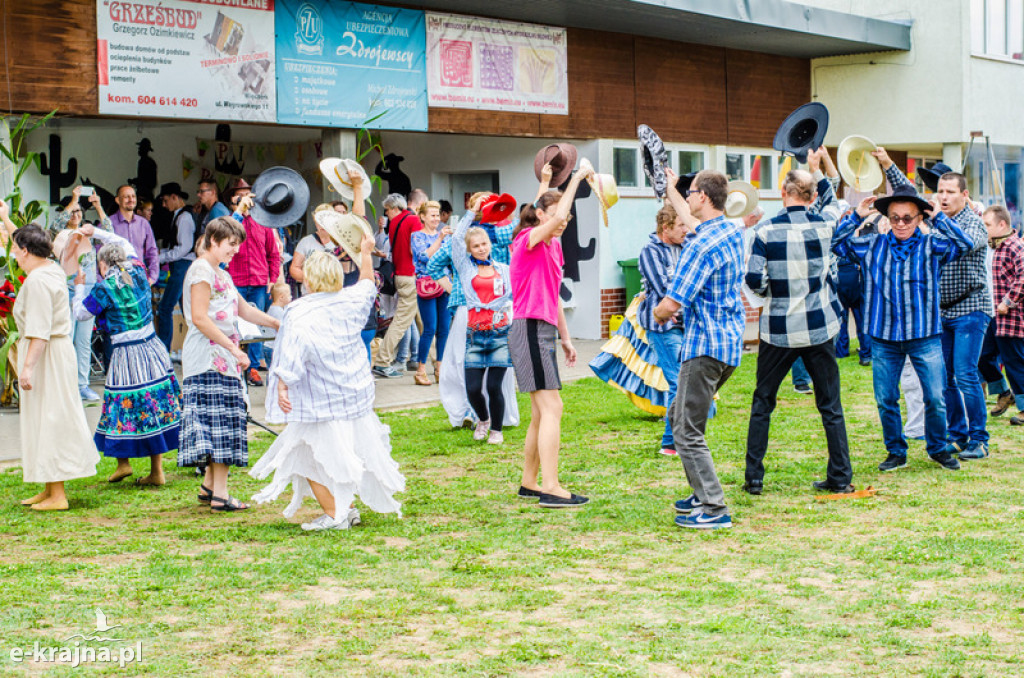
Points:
[[614, 322]]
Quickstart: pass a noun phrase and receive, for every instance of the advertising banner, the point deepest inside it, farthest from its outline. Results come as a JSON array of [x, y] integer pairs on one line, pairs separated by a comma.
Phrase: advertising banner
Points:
[[343, 63], [496, 65], [210, 59]]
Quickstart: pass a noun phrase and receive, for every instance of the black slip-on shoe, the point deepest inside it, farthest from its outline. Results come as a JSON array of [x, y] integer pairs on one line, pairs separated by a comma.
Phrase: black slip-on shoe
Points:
[[554, 501]]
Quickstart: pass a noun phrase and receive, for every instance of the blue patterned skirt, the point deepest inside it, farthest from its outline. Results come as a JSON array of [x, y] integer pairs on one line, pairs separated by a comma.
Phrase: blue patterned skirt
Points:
[[213, 421], [141, 399]]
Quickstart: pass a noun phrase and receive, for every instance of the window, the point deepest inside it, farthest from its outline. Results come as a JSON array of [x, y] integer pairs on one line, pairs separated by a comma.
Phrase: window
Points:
[[626, 167], [997, 28], [759, 169], [690, 161]]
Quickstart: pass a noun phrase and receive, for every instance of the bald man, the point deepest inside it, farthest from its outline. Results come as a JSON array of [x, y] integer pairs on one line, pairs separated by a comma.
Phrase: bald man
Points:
[[790, 266]]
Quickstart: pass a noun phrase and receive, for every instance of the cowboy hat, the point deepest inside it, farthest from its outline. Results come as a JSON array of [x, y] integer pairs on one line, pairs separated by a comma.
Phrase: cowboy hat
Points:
[[655, 158], [902, 194], [858, 167], [741, 199], [684, 182], [561, 157], [931, 175], [497, 208], [346, 230], [802, 130], [604, 187], [173, 188], [237, 185], [282, 197], [335, 170]]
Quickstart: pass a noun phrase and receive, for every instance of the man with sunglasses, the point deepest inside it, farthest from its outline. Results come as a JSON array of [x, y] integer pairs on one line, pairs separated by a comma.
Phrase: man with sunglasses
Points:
[[208, 208], [705, 290], [901, 271], [965, 299]]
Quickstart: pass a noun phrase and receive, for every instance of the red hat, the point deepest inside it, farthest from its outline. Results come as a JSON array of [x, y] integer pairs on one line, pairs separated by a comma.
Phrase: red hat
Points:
[[497, 208]]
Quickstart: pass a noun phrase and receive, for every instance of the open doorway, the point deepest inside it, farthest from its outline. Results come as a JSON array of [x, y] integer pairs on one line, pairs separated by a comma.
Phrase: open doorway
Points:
[[461, 186]]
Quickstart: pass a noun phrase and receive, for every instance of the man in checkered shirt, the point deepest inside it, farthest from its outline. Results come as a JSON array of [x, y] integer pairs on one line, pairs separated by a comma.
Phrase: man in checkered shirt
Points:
[[965, 300], [790, 266]]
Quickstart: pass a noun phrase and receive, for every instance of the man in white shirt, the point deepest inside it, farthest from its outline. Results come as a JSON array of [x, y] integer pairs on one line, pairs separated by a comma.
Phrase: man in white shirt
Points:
[[178, 258]]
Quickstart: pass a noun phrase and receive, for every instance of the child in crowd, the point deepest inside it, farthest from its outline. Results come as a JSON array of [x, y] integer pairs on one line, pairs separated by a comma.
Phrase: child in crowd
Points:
[[536, 278], [213, 432], [320, 383], [280, 296], [487, 287]]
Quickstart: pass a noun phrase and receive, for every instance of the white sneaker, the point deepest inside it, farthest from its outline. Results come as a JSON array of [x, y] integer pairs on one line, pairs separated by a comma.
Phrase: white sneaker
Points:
[[325, 522], [353, 517], [482, 427], [496, 438]]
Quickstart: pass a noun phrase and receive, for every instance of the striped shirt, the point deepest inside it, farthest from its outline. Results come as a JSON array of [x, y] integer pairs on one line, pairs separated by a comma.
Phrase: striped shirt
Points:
[[791, 266], [901, 279], [657, 263], [320, 356], [965, 286], [706, 284]]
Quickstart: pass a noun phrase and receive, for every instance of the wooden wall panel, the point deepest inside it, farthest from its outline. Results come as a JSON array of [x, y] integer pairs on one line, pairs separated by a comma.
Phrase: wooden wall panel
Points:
[[494, 123], [762, 91], [49, 48], [680, 90]]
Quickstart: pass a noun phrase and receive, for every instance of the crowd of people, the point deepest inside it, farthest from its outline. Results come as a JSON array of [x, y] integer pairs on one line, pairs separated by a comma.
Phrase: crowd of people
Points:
[[477, 297]]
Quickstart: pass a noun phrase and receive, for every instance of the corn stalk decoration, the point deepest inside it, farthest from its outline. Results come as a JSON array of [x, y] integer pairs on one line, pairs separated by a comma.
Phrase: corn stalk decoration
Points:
[[15, 162], [372, 144]]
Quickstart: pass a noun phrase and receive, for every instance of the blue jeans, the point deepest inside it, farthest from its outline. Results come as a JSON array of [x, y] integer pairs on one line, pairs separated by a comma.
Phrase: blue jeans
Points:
[[843, 338], [990, 363], [257, 296], [170, 299], [408, 345], [926, 357], [436, 320], [668, 347], [801, 377], [966, 414], [367, 336]]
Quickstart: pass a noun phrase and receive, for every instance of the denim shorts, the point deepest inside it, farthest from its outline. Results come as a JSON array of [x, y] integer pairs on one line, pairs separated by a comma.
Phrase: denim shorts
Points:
[[487, 348]]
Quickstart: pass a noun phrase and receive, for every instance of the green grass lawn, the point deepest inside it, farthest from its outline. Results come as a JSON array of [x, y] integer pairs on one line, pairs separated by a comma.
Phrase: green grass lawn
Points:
[[923, 579]]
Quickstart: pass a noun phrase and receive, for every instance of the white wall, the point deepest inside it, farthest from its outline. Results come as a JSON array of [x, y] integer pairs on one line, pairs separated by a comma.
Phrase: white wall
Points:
[[430, 158]]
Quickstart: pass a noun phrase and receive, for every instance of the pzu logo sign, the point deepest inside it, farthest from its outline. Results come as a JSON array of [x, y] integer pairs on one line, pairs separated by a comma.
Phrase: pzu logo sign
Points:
[[309, 33]]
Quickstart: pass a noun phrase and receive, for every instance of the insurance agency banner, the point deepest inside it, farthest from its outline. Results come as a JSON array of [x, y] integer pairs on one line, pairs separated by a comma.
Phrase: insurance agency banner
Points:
[[187, 59], [340, 64], [496, 65]]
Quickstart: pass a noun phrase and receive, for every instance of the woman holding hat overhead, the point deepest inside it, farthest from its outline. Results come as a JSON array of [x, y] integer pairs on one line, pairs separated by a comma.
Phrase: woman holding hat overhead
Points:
[[536, 278], [432, 298], [213, 365], [56, 446], [320, 384], [486, 284]]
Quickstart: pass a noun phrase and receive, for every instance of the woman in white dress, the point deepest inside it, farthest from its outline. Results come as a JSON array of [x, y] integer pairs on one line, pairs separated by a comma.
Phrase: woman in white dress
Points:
[[56, 445], [320, 383]]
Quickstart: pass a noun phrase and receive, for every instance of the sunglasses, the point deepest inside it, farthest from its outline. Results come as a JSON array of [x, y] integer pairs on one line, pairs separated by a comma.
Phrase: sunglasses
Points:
[[691, 191], [904, 220]]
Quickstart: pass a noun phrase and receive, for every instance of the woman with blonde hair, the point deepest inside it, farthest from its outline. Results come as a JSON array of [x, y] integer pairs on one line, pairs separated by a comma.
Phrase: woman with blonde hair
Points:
[[320, 384], [430, 295]]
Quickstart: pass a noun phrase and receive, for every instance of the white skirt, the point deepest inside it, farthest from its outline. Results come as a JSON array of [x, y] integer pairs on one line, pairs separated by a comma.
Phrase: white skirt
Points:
[[350, 457]]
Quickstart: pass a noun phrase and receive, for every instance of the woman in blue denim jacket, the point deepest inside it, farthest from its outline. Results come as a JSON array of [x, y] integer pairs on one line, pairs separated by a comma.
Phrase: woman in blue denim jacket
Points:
[[488, 289]]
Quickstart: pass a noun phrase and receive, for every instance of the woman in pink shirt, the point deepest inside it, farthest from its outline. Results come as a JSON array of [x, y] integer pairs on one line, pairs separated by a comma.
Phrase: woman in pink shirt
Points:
[[537, 312]]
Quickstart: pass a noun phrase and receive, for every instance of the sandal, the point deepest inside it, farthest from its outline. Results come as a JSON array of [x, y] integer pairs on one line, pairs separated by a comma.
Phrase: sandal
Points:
[[205, 494], [228, 505], [421, 379]]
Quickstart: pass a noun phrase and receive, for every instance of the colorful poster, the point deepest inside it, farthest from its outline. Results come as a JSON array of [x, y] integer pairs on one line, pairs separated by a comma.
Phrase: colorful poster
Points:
[[341, 64], [209, 59], [496, 65]]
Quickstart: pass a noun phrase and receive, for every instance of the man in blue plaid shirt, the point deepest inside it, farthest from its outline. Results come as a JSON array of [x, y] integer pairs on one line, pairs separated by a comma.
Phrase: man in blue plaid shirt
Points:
[[965, 299], [705, 289], [790, 266]]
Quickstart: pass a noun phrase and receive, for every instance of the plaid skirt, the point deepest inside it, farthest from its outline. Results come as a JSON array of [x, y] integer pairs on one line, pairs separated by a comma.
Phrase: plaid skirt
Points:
[[213, 425]]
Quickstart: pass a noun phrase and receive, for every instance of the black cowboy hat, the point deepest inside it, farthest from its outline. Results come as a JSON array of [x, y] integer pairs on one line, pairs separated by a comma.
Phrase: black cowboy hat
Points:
[[173, 188], [655, 158], [684, 182], [145, 144], [902, 194], [282, 196], [802, 130], [931, 175]]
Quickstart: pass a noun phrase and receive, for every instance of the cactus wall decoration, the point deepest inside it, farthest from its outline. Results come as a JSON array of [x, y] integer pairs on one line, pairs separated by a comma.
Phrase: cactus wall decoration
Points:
[[51, 167]]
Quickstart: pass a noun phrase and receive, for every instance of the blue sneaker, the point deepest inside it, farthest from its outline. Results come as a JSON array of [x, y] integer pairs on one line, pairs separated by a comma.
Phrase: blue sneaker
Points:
[[955, 447], [88, 394], [386, 372], [698, 520], [975, 451], [687, 505]]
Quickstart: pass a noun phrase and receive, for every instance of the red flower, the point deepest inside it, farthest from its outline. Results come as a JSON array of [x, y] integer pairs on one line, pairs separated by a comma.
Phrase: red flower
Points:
[[7, 296]]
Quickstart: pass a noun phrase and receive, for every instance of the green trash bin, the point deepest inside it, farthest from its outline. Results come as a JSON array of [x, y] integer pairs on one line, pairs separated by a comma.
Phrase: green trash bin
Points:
[[634, 282]]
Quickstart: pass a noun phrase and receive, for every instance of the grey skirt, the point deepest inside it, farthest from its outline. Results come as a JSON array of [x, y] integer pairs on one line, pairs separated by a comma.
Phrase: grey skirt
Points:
[[532, 344]]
